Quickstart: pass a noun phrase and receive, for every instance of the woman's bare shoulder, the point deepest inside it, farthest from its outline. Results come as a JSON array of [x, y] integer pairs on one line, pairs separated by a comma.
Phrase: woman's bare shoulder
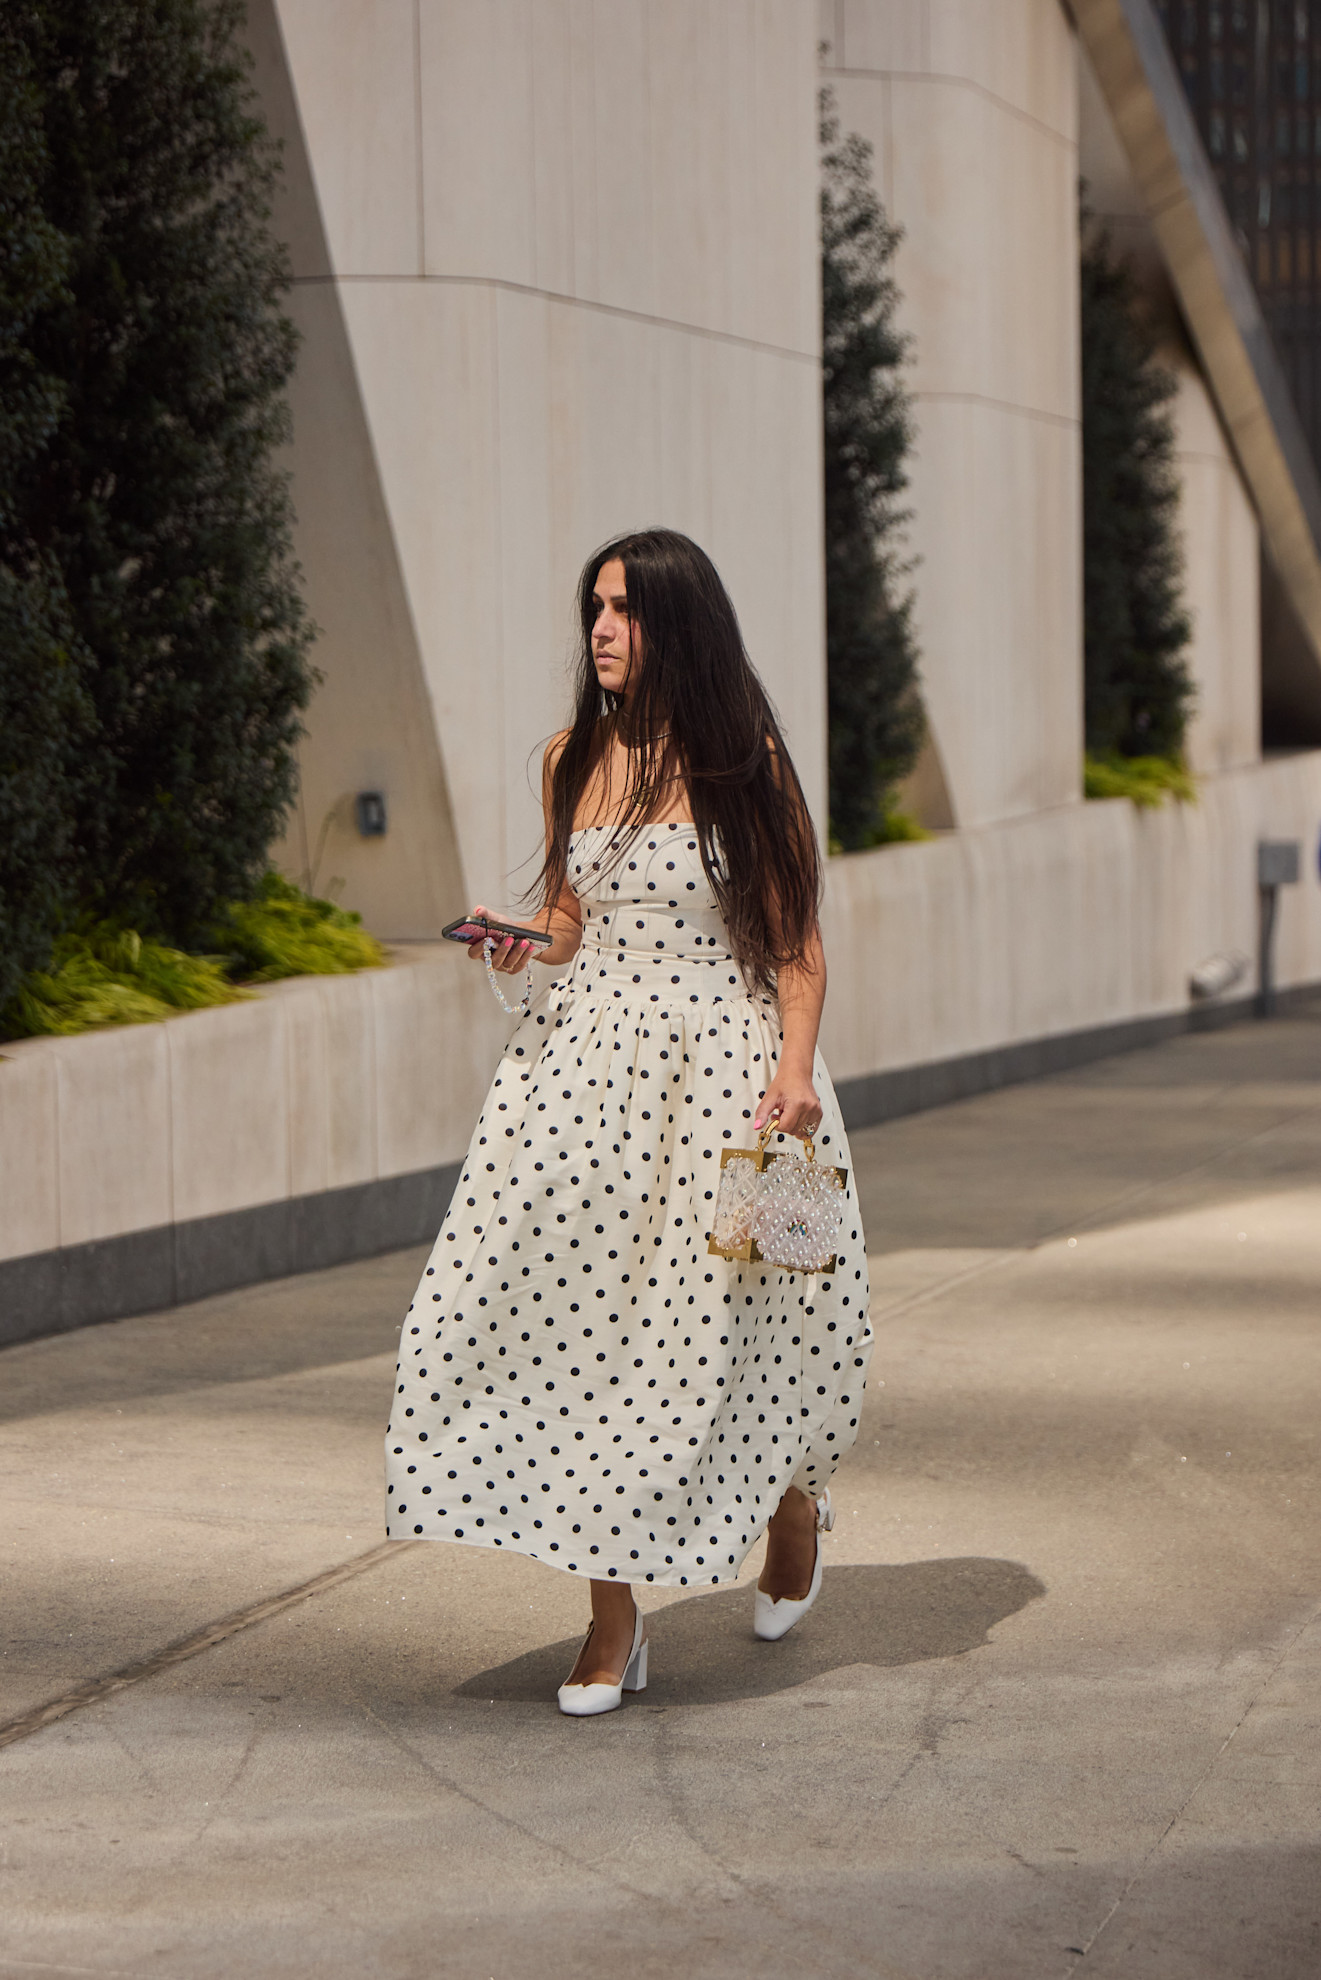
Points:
[[550, 757]]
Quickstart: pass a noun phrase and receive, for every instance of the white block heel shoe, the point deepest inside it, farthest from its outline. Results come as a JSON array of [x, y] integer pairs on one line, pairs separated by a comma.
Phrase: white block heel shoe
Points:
[[584, 1701], [771, 1619]]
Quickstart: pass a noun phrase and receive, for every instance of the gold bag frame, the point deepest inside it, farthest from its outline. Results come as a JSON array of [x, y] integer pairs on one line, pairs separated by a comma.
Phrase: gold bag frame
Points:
[[760, 1158]]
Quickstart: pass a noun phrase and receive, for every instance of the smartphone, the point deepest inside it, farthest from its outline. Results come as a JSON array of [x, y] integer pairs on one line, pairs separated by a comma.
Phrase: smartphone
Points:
[[475, 929]]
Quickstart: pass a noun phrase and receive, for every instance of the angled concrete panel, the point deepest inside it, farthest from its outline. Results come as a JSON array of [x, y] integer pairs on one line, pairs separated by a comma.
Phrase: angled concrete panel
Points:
[[371, 724]]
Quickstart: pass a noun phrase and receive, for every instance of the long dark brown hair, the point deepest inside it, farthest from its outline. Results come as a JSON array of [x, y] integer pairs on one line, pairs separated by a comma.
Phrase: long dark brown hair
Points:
[[698, 711]]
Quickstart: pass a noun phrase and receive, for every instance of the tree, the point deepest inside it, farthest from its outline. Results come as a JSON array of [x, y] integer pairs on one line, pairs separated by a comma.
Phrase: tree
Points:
[[156, 495], [876, 723], [1138, 690], [43, 706]]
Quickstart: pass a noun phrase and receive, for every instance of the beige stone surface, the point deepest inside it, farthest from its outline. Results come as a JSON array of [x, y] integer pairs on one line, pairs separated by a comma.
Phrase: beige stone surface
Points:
[[29, 1152], [887, 40], [649, 160], [998, 604], [351, 1112], [1057, 1701], [115, 1153], [987, 268], [228, 1139], [438, 1034], [1014, 49], [354, 63], [1011, 50], [310, 1068]]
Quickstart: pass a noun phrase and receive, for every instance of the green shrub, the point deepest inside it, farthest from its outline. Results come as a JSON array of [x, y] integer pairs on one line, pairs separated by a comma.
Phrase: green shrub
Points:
[[43, 698], [1147, 780], [1137, 687], [43, 717], [875, 720], [156, 491]]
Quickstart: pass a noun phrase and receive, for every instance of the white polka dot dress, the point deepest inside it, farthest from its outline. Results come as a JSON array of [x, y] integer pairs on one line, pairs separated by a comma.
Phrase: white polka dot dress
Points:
[[579, 1379]]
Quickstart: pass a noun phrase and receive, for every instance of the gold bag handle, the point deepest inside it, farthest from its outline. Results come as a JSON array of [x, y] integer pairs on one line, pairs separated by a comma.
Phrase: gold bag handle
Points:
[[773, 1127]]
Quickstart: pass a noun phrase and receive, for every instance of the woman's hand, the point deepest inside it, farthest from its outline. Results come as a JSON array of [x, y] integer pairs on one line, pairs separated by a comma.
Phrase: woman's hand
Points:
[[510, 956], [790, 1100]]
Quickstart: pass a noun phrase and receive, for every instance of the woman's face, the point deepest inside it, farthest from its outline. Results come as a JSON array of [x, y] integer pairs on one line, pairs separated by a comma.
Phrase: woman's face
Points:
[[616, 640]]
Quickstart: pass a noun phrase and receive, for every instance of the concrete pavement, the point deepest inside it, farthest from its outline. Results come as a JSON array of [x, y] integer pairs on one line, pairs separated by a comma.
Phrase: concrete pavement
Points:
[[1058, 1710]]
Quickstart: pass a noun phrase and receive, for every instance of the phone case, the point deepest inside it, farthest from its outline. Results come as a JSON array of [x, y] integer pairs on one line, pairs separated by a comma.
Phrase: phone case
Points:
[[468, 930]]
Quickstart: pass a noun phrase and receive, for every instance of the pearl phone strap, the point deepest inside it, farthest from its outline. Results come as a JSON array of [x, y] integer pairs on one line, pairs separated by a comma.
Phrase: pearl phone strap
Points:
[[520, 1009]]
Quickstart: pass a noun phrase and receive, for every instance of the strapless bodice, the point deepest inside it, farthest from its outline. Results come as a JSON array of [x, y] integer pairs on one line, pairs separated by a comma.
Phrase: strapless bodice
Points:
[[652, 928]]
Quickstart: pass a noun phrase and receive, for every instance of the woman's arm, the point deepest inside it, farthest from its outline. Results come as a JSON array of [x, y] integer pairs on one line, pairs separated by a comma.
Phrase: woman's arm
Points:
[[791, 1097], [564, 922], [791, 1094]]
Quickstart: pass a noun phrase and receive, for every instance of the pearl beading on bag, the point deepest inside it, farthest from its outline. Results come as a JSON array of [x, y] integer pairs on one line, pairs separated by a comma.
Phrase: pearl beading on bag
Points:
[[799, 1214], [780, 1209]]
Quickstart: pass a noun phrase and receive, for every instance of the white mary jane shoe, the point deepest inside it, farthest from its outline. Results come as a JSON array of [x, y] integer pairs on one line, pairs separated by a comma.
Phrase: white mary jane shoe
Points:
[[773, 1619], [584, 1701]]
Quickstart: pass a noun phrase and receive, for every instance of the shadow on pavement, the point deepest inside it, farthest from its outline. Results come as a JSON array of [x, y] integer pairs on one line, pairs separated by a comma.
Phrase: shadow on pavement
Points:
[[703, 1651]]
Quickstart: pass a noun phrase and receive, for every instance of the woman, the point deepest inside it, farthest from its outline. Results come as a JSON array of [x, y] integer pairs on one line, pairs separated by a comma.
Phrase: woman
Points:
[[580, 1378]]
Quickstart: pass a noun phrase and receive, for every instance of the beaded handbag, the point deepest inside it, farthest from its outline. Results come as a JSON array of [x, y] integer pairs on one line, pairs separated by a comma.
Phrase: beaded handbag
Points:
[[778, 1207]]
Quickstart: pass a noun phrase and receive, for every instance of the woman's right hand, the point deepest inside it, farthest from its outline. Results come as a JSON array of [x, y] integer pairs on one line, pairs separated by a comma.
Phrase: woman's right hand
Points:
[[509, 956]]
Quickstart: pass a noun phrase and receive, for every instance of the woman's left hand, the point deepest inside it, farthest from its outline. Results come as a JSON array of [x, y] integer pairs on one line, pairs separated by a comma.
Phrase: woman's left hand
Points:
[[791, 1101], [509, 957]]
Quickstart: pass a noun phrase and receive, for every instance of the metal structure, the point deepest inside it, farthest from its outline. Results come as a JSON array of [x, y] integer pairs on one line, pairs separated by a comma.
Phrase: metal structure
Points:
[[1278, 865]]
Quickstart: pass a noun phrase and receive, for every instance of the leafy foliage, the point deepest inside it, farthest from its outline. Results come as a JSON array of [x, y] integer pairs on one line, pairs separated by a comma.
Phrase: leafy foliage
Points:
[[102, 973], [1147, 780], [1138, 690], [157, 365], [876, 723], [901, 828], [896, 828], [285, 932]]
